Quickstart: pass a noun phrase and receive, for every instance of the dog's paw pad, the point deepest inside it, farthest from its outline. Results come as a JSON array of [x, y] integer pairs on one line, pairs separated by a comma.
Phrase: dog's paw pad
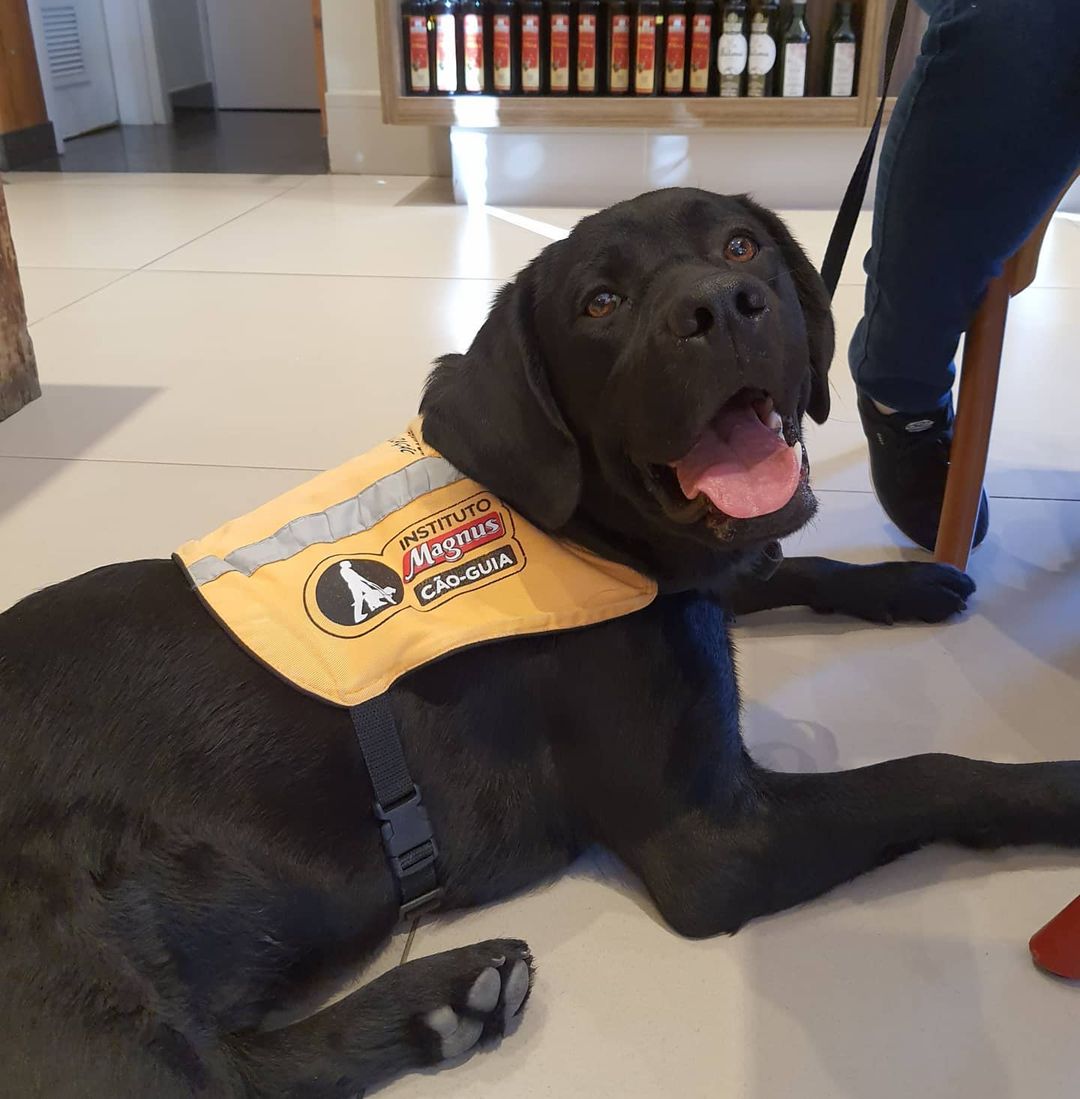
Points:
[[455, 1034], [515, 989], [471, 995], [484, 994], [443, 1020]]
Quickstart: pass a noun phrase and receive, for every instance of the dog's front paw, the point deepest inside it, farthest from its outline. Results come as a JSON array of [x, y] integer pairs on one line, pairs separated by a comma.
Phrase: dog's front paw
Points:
[[484, 988], [897, 591]]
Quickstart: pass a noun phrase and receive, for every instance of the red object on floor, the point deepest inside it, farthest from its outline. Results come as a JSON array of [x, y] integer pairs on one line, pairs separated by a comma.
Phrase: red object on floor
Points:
[[1056, 947]]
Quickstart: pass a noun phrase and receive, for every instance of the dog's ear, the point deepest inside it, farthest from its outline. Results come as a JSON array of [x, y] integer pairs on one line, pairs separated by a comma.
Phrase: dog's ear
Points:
[[491, 413], [820, 334]]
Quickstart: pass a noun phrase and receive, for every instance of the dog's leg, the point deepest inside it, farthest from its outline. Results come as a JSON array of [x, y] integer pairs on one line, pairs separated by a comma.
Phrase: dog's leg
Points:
[[423, 1013], [894, 591], [796, 836]]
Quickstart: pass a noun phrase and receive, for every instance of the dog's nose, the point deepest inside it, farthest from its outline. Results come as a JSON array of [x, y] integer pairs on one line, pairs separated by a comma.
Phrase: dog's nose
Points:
[[719, 297]]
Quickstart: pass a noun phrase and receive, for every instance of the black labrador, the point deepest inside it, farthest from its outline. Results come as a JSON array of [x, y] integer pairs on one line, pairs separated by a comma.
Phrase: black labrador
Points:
[[187, 844]]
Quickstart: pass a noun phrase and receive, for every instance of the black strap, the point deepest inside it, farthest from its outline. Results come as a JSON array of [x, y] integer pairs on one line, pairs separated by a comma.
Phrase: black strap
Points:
[[848, 215], [406, 829]]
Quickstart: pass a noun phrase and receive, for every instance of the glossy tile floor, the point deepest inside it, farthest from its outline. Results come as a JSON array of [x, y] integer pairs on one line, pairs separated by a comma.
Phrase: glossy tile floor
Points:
[[201, 141], [208, 341]]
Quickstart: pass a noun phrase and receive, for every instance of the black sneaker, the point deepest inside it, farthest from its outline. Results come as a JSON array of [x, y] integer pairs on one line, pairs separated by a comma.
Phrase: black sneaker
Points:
[[909, 461]]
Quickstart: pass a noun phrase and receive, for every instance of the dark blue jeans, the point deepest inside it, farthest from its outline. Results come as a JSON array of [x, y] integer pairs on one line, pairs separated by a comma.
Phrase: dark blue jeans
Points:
[[985, 134]]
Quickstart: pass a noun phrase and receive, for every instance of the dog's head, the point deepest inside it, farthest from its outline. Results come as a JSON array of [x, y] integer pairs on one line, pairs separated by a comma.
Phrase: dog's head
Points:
[[641, 385]]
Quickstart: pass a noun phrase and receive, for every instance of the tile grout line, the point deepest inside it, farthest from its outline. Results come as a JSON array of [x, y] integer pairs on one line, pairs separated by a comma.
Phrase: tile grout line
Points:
[[321, 469], [990, 495], [157, 462], [82, 297], [143, 267], [325, 275], [227, 221]]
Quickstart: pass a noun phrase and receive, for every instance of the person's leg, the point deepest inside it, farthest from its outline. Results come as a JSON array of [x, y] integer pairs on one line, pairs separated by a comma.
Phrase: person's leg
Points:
[[985, 133]]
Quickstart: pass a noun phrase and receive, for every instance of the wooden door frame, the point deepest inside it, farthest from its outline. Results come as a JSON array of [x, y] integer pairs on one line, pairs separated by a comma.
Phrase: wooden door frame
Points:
[[26, 134]]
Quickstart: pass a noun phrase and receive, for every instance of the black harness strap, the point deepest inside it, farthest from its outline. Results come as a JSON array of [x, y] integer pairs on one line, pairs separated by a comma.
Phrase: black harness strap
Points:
[[848, 215], [406, 830]]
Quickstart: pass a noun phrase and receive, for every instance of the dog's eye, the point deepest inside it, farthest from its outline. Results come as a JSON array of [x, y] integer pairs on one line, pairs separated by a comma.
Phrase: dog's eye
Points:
[[740, 249], [603, 304]]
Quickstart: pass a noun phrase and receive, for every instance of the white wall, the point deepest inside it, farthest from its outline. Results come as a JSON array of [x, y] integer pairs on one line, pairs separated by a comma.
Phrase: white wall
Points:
[[179, 43], [263, 54], [788, 168], [359, 141], [135, 62], [794, 169]]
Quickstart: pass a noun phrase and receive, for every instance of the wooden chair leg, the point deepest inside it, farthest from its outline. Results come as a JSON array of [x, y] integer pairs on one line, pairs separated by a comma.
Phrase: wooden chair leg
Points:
[[974, 418]]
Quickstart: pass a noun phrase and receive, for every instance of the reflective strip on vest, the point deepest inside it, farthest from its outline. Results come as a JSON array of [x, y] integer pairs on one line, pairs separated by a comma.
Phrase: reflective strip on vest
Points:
[[352, 516]]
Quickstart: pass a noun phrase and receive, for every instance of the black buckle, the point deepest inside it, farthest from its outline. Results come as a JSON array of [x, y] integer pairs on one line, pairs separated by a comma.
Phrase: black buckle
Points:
[[410, 847]]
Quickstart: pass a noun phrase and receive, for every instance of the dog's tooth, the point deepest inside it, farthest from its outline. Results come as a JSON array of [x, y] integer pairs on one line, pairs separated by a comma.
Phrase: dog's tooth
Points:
[[798, 452], [775, 423]]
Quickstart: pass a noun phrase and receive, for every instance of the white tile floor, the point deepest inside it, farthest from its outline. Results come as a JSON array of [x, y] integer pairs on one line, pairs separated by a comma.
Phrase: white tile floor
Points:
[[206, 342]]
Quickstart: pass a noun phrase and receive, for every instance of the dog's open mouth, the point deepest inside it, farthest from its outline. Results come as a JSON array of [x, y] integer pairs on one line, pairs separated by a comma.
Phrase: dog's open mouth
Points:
[[747, 463]]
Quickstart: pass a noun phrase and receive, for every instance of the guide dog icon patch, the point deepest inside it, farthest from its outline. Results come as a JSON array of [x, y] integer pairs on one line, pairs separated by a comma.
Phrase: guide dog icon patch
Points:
[[350, 592], [447, 553]]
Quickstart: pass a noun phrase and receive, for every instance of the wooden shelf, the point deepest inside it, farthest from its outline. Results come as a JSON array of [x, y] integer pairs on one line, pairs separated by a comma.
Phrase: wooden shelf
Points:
[[671, 115], [676, 113]]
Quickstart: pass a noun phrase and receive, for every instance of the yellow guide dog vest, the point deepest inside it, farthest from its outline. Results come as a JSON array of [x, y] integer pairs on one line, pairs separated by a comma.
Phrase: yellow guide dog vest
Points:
[[389, 562]]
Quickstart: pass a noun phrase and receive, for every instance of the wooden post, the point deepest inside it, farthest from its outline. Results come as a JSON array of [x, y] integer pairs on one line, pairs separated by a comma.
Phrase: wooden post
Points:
[[320, 61], [18, 370]]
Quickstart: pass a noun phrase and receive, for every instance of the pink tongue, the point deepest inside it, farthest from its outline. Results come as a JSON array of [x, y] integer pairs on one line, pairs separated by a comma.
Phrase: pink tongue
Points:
[[741, 466]]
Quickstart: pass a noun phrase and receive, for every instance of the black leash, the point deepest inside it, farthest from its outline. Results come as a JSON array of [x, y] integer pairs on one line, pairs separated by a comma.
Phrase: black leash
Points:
[[406, 830], [848, 215]]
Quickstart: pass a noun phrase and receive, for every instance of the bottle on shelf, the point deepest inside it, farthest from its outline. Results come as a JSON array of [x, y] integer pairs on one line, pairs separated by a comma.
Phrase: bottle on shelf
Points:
[[794, 47], [840, 65], [443, 17], [761, 67], [702, 38], [505, 51], [471, 47], [558, 47], [647, 24], [587, 49], [531, 42], [618, 47], [732, 49], [675, 39], [416, 42]]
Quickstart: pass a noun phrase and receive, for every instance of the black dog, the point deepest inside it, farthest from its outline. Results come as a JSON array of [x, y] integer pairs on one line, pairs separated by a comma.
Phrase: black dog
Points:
[[186, 843]]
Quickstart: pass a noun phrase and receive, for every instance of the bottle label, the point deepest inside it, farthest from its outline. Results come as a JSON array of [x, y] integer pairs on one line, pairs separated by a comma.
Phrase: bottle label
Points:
[[560, 52], [530, 53], [843, 69], [762, 55], [645, 62], [731, 55], [445, 53], [700, 48], [586, 53], [473, 35], [675, 55], [619, 77], [795, 69], [500, 49], [419, 60]]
